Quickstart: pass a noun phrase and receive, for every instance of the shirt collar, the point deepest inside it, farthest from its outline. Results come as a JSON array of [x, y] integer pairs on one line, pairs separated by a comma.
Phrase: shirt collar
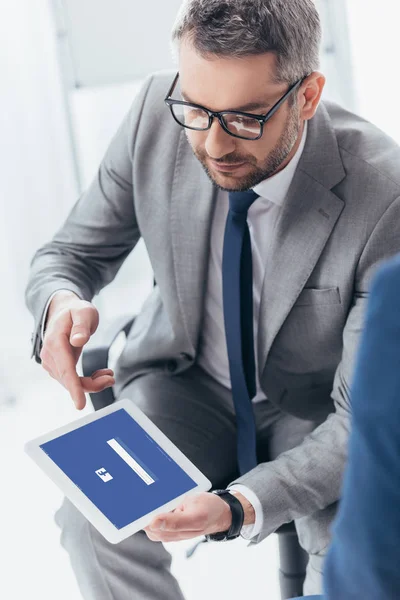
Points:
[[276, 187]]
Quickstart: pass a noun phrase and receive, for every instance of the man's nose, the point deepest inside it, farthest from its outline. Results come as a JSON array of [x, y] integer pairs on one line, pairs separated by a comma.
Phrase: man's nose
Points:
[[219, 143]]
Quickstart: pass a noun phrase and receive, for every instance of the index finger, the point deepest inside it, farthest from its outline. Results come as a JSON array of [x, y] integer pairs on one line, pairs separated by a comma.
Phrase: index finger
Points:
[[69, 378]]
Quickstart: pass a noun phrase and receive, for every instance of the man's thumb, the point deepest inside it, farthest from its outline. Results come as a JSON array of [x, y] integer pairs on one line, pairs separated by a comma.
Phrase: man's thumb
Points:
[[79, 335]]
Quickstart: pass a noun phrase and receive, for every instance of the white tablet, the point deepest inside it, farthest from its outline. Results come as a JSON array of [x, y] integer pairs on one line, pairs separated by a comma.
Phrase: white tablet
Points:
[[117, 468]]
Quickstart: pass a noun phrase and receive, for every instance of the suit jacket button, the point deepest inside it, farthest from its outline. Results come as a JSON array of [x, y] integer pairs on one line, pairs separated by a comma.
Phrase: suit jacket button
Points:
[[172, 365], [186, 356]]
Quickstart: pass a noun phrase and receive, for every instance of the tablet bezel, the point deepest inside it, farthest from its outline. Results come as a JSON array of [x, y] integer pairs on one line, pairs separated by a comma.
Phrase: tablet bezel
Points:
[[82, 502]]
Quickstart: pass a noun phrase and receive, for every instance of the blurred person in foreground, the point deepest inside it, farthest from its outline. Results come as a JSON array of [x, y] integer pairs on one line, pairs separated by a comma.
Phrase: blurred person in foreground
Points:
[[363, 561], [264, 212]]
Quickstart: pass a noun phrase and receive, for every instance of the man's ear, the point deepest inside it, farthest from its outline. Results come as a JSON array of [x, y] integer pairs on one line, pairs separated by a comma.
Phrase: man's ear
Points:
[[310, 95]]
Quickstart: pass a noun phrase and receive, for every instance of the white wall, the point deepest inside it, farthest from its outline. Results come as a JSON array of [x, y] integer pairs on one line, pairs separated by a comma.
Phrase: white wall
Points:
[[37, 183], [118, 41], [374, 31]]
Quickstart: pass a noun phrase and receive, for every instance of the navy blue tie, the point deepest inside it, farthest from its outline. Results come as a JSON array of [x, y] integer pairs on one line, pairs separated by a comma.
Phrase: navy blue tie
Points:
[[237, 283]]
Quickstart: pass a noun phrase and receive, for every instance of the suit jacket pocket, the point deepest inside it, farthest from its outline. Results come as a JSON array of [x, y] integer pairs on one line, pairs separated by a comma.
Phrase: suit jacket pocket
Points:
[[321, 296]]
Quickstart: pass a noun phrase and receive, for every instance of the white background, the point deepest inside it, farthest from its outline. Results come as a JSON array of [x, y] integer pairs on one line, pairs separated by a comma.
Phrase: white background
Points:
[[37, 189]]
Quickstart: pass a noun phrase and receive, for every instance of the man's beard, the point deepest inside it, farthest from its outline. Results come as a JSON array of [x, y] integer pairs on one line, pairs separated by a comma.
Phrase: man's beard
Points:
[[271, 164]]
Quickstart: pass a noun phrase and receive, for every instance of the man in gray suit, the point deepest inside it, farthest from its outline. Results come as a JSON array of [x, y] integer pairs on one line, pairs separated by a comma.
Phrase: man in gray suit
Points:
[[246, 116]]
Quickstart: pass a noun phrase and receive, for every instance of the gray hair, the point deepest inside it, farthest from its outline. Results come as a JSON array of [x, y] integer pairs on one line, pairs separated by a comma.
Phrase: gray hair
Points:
[[290, 29]]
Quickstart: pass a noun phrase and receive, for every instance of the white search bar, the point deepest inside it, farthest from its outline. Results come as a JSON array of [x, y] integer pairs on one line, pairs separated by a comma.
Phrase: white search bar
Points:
[[130, 461]]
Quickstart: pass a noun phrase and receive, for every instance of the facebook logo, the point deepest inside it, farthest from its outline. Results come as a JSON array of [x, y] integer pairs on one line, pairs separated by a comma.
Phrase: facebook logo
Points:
[[102, 473]]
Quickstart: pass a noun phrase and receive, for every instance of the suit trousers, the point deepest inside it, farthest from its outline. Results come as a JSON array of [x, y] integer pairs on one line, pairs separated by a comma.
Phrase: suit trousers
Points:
[[196, 413]]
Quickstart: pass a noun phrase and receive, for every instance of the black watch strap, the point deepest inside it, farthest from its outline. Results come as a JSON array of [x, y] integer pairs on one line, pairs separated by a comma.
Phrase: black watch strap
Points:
[[237, 518]]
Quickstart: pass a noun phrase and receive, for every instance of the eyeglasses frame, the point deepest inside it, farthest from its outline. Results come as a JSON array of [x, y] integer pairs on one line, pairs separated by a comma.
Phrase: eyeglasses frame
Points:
[[262, 119]]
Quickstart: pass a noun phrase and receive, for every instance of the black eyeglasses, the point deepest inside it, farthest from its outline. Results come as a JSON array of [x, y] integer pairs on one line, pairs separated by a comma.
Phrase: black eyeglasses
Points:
[[243, 125]]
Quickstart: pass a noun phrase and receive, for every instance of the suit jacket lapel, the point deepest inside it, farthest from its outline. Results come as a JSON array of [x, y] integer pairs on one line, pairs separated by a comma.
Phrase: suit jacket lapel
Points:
[[192, 202], [306, 222]]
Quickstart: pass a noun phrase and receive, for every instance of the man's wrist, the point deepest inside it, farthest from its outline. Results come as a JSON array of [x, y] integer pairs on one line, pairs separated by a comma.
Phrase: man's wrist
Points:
[[230, 523], [58, 300], [61, 299]]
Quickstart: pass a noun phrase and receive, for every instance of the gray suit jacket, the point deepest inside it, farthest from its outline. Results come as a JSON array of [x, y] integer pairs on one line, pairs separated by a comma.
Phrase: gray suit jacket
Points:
[[341, 217]]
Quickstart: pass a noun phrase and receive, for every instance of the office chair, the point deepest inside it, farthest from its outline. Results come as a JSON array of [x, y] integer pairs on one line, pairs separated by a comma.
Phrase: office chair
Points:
[[292, 558]]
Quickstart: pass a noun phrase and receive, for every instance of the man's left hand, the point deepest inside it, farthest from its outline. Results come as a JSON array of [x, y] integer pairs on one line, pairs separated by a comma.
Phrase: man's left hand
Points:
[[198, 515]]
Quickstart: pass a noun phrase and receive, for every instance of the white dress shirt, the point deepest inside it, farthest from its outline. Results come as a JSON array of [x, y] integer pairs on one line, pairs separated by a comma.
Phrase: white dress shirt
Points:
[[212, 355], [261, 219]]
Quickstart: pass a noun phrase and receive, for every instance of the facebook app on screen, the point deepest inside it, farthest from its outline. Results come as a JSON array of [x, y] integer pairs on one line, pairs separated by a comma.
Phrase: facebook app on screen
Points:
[[119, 467]]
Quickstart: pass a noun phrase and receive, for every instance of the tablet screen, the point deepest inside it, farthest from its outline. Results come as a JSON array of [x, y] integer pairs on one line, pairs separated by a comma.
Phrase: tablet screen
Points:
[[119, 467]]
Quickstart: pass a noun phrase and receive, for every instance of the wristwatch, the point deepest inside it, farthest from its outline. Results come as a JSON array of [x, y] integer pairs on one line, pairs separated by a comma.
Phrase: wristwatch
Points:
[[237, 518]]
